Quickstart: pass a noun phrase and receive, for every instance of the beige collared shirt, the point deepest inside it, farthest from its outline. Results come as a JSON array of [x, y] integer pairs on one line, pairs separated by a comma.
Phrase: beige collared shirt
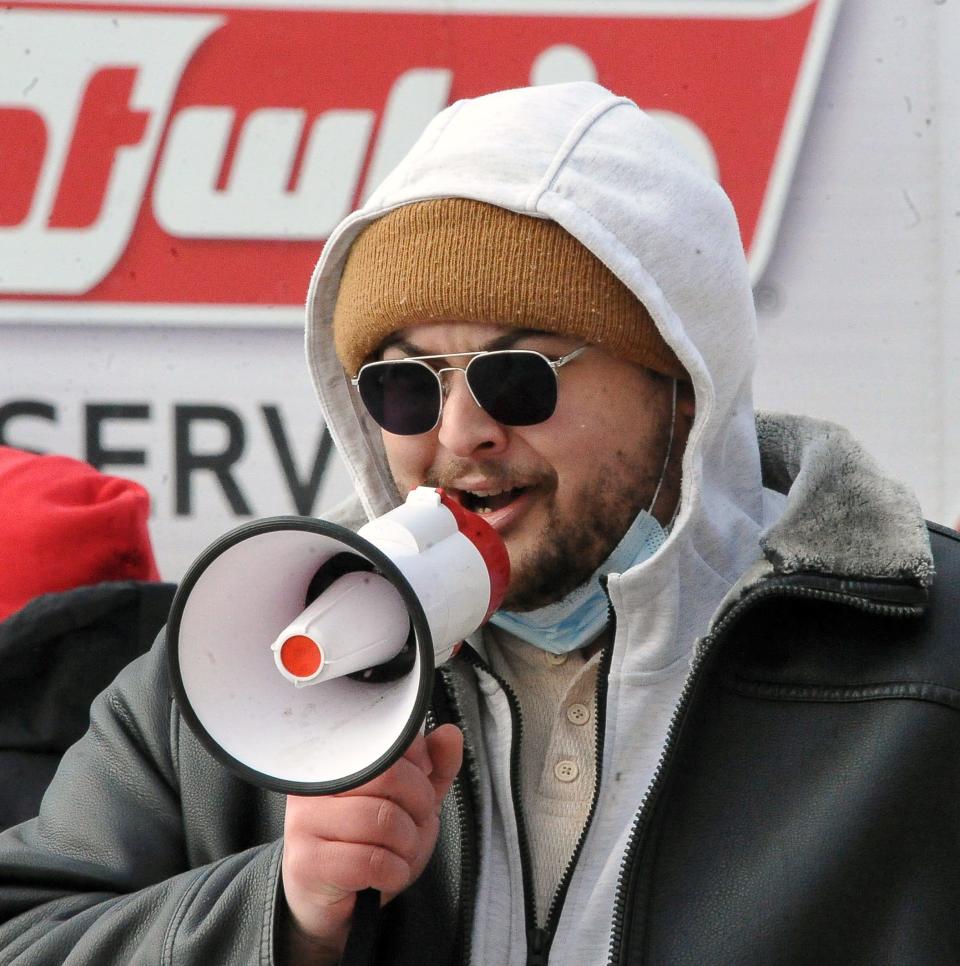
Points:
[[558, 698]]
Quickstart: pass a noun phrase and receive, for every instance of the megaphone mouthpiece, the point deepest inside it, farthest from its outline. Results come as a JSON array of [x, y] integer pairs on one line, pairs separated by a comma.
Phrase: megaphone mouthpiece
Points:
[[358, 622]]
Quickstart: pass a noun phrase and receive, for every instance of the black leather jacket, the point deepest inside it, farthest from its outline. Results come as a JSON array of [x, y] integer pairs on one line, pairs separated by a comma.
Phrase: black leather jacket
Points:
[[806, 811], [807, 808], [56, 655]]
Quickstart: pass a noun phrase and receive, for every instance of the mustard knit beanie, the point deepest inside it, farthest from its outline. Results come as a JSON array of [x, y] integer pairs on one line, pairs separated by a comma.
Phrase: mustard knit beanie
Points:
[[458, 260]]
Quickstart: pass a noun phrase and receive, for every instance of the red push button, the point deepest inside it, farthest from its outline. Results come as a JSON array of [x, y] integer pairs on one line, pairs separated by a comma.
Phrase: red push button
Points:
[[301, 656]]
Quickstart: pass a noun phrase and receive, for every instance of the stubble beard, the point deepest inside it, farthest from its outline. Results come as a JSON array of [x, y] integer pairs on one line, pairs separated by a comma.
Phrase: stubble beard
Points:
[[569, 551]]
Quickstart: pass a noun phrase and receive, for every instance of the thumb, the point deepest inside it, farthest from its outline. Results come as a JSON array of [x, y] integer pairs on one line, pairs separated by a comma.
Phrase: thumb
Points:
[[445, 746]]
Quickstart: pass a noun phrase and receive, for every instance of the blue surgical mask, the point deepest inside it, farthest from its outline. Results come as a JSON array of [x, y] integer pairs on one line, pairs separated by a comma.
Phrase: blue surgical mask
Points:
[[579, 618]]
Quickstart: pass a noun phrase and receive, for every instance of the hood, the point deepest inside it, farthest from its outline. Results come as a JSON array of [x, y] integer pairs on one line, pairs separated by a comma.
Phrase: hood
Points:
[[613, 178]]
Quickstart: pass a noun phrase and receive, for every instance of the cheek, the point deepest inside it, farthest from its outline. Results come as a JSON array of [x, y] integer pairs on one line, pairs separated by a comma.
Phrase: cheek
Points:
[[598, 431], [408, 457], [588, 424]]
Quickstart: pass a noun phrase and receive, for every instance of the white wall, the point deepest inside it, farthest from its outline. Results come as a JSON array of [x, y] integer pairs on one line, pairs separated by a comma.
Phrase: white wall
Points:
[[859, 306]]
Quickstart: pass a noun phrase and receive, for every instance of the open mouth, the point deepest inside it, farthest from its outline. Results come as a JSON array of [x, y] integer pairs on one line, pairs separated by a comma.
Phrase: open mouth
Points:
[[489, 501]]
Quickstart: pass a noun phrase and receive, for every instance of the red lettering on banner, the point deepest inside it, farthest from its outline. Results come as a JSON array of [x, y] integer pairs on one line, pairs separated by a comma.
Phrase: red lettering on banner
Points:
[[23, 144], [105, 124]]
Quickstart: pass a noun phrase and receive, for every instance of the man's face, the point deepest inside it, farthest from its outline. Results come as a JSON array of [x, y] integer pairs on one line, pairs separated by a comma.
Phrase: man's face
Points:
[[563, 492]]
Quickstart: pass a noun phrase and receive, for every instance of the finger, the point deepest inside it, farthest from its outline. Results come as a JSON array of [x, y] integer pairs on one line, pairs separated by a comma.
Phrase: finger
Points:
[[419, 755], [329, 870], [403, 783], [362, 821], [446, 752]]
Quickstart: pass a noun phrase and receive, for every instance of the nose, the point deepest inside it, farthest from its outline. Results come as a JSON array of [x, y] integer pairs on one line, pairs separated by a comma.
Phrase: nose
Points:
[[466, 428]]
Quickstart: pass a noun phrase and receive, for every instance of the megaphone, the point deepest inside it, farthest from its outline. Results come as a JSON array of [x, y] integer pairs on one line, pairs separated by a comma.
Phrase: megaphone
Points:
[[302, 654]]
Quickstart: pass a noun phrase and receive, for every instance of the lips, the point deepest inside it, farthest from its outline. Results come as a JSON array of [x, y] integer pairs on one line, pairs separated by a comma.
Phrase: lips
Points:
[[487, 501], [498, 505]]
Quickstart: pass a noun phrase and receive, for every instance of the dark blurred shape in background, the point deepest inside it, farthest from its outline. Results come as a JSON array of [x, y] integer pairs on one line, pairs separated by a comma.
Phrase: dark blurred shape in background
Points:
[[80, 598]]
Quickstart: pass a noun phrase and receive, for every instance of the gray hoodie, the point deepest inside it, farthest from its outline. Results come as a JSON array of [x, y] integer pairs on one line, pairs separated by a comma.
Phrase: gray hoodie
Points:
[[598, 166]]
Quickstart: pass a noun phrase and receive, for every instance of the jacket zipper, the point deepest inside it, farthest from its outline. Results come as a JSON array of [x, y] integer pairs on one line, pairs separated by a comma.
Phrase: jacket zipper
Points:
[[537, 941], [540, 940], [467, 877], [705, 651], [467, 895], [538, 947]]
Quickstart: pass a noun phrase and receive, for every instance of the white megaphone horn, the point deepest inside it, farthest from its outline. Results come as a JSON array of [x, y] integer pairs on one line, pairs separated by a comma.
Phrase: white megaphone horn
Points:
[[302, 654]]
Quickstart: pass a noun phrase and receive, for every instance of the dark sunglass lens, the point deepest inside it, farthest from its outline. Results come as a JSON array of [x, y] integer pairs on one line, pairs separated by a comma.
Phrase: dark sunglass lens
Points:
[[402, 397], [516, 388]]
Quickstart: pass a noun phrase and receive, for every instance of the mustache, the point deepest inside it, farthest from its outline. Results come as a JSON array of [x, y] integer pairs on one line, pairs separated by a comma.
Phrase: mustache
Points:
[[497, 474]]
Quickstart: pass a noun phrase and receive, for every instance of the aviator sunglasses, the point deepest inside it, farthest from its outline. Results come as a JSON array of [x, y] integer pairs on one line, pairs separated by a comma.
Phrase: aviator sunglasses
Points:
[[517, 387]]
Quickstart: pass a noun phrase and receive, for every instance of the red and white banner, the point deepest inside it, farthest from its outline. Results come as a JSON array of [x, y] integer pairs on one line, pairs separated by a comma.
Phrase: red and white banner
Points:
[[183, 163], [169, 172]]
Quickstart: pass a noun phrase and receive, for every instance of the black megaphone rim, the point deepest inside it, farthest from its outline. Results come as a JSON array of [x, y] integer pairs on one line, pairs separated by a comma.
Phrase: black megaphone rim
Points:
[[387, 568]]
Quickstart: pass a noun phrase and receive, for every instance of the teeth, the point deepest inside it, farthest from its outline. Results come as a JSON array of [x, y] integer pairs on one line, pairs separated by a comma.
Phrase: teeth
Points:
[[479, 500]]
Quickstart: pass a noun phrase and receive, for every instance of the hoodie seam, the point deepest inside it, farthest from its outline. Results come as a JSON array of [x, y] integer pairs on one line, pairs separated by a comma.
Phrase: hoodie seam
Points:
[[386, 483], [573, 138], [452, 112]]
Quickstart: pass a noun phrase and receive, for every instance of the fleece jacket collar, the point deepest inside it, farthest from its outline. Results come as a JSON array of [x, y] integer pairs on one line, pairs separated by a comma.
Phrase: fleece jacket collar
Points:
[[844, 520], [843, 517]]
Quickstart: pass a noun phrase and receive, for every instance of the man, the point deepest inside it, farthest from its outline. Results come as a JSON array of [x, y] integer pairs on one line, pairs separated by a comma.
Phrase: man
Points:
[[715, 721]]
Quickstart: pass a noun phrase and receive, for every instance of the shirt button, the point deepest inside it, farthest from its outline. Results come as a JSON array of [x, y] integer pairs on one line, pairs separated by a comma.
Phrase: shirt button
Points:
[[578, 714], [555, 659], [566, 770]]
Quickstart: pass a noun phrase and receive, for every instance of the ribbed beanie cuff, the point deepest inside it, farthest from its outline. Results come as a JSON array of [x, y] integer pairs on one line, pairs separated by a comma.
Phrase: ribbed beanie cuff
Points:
[[458, 260]]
